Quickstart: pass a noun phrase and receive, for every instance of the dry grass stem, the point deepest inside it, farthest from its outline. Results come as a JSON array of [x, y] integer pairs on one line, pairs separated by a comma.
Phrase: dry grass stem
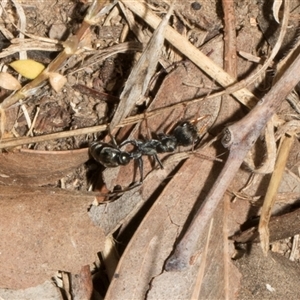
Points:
[[29, 44], [138, 81], [273, 187], [8, 143]]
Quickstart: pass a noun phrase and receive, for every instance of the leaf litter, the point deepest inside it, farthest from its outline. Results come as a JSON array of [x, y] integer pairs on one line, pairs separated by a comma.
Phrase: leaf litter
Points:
[[153, 219]]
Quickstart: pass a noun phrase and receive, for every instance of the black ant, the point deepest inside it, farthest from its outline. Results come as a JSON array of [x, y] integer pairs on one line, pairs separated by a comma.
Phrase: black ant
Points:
[[111, 155]]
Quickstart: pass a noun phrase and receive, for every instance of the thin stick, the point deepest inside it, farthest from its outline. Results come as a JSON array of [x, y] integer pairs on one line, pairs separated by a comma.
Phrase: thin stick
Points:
[[7, 143], [230, 59], [201, 272]]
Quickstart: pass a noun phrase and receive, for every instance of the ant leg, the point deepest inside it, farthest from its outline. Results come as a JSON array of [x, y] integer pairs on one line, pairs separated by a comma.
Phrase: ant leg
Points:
[[149, 136], [136, 155], [158, 161], [141, 168], [132, 142]]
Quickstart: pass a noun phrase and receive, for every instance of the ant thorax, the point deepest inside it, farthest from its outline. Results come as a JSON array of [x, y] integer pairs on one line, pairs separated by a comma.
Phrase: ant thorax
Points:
[[168, 143]]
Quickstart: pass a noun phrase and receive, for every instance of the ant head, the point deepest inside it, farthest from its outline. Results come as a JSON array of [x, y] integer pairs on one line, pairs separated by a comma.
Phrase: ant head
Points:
[[186, 134]]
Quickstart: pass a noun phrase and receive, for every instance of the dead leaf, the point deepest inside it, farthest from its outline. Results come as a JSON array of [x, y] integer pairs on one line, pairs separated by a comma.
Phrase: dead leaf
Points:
[[139, 272], [30, 167], [44, 230]]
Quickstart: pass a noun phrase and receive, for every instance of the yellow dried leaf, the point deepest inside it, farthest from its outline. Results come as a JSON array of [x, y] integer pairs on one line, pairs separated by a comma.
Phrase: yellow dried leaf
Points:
[[7, 81], [28, 68], [57, 81]]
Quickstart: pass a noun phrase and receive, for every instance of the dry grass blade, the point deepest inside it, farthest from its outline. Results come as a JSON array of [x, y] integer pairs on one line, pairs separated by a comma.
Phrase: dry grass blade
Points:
[[29, 44], [21, 14], [276, 8], [269, 201], [106, 53]]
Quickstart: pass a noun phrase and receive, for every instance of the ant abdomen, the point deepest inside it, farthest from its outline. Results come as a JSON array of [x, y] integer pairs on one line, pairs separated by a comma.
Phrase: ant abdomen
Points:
[[108, 155]]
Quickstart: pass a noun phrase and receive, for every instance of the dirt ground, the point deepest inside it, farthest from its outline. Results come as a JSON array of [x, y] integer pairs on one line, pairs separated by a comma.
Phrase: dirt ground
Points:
[[75, 228]]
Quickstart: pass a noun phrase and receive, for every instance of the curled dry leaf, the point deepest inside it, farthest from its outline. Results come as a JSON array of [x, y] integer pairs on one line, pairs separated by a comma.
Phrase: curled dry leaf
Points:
[[48, 167], [28, 68], [9, 82], [138, 81], [57, 81], [272, 190]]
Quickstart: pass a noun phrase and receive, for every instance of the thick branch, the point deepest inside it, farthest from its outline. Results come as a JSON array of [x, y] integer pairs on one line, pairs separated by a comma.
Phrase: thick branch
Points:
[[239, 137]]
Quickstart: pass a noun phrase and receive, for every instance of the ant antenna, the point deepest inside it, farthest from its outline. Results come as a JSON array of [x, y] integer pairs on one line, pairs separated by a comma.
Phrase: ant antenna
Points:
[[149, 135], [111, 136]]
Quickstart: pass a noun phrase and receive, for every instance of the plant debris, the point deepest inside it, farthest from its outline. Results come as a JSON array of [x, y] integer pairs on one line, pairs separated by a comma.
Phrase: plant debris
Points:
[[127, 73]]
